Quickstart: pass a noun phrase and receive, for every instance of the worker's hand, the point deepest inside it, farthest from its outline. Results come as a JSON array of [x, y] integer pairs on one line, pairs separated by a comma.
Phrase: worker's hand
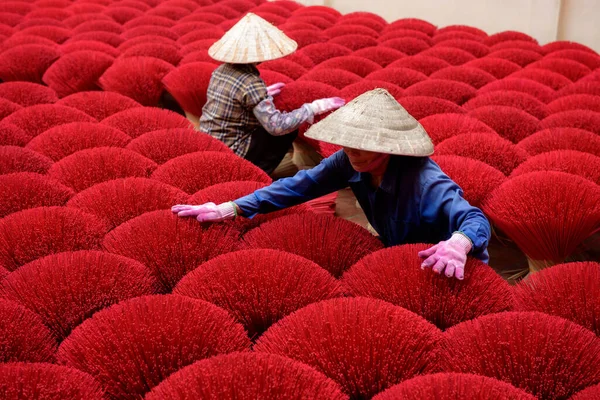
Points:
[[209, 212], [275, 88], [322, 106], [449, 255]]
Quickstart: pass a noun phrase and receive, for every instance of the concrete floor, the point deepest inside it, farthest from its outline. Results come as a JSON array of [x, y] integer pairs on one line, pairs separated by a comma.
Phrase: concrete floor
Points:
[[347, 208]]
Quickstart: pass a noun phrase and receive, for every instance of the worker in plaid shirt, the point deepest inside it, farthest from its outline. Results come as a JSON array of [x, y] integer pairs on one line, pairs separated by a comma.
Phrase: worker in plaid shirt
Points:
[[239, 110]]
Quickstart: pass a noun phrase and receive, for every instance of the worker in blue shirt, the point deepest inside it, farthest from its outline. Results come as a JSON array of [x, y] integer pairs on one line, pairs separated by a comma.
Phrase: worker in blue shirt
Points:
[[404, 194]]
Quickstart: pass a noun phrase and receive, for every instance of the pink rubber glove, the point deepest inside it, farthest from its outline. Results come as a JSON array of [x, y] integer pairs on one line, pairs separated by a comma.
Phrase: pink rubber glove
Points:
[[450, 255], [322, 106], [209, 212], [275, 88]]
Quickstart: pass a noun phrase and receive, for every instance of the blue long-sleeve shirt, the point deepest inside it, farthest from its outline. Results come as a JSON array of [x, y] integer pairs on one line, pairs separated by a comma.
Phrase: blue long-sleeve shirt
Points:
[[415, 202]]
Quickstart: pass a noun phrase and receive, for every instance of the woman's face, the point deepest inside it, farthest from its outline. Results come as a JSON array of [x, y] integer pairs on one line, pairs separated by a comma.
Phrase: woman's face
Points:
[[365, 161]]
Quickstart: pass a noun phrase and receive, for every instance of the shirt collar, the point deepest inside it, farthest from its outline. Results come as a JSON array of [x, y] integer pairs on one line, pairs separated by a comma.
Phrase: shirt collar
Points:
[[357, 177], [245, 67], [388, 184]]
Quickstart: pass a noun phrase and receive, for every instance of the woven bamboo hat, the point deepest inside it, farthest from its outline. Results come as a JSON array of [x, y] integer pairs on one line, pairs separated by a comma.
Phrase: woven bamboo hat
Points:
[[252, 40], [374, 121]]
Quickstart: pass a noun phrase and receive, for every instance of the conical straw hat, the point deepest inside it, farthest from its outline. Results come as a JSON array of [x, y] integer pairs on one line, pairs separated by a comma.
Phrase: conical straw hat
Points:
[[252, 40], [374, 121]]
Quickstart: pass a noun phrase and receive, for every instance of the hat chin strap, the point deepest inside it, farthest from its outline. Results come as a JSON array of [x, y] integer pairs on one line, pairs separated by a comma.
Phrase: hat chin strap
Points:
[[374, 165]]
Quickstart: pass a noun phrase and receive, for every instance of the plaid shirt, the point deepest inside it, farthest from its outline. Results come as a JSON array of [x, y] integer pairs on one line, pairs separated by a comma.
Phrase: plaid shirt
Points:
[[233, 92]]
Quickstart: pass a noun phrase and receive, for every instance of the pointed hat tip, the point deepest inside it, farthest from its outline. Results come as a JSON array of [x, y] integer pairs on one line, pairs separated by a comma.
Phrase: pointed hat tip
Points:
[[377, 92], [249, 18], [376, 97], [251, 15]]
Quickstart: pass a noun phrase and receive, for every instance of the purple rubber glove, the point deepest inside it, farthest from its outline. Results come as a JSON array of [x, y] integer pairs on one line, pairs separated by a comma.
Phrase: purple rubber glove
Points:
[[209, 212], [275, 89], [449, 255], [322, 106]]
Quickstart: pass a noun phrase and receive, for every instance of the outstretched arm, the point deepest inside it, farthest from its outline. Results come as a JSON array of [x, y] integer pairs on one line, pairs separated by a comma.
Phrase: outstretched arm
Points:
[[279, 123], [330, 175], [327, 177]]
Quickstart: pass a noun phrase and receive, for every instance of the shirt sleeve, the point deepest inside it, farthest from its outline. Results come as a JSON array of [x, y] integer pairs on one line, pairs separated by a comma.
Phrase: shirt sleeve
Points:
[[442, 201], [279, 123], [254, 93], [327, 177]]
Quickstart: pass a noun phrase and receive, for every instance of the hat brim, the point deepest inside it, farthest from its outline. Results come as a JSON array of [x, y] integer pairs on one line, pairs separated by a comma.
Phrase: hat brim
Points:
[[384, 142], [374, 122], [236, 59]]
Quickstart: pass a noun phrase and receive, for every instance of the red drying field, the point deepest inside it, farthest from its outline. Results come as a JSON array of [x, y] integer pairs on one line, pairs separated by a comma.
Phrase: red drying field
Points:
[[66, 288], [492, 150], [24, 336], [99, 105], [137, 121], [343, 344], [573, 162], [248, 376], [89, 167], [199, 170], [394, 275], [23, 190], [95, 147], [259, 287], [450, 386], [444, 126], [116, 202], [47, 381], [165, 144], [477, 179], [550, 357], [567, 290], [170, 246], [30, 234], [525, 208], [332, 243], [132, 346], [63, 140], [588, 394], [222, 192]]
